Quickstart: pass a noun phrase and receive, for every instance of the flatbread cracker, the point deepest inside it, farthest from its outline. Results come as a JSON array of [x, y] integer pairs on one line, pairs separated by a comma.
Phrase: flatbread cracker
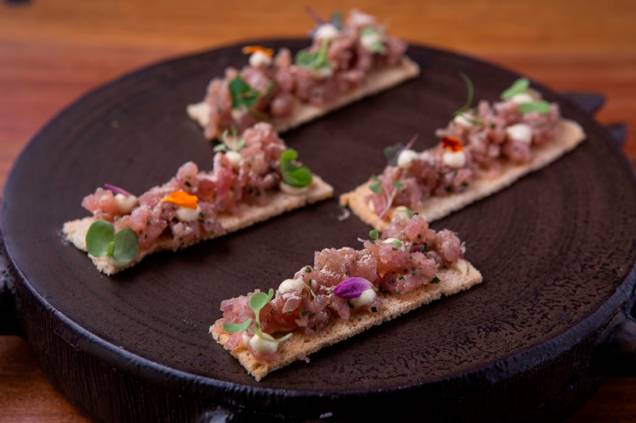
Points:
[[277, 203], [374, 83], [460, 277], [570, 135]]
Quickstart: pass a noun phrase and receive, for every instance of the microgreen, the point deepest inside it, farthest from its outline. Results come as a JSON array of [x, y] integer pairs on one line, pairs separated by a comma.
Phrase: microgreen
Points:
[[336, 20], [392, 153], [243, 95], [293, 174], [470, 94], [101, 240], [398, 185], [540, 106], [374, 234], [372, 40], [230, 142], [314, 60], [519, 86], [375, 185], [396, 243], [256, 302], [237, 327]]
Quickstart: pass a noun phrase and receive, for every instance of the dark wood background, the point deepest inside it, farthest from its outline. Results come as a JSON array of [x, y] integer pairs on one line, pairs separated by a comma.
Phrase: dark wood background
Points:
[[53, 51]]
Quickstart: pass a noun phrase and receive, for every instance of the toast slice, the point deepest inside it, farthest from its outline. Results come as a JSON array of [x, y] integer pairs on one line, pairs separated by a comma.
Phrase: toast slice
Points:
[[460, 277], [275, 204], [570, 135], [376, 82]]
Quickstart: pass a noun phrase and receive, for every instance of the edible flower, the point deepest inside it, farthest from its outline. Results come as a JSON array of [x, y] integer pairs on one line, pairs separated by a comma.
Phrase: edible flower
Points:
[[181, 199], [101, 240], [352, 288], [258, 49], [117, 190], [452, 144]]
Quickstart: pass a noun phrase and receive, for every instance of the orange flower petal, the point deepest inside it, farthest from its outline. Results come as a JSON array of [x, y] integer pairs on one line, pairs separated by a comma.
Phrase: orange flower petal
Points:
[[253, 49], [182, 199], [452, 144]]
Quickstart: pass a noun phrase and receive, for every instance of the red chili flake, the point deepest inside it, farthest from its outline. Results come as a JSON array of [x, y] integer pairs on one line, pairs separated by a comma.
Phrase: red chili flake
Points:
[[452, 143]]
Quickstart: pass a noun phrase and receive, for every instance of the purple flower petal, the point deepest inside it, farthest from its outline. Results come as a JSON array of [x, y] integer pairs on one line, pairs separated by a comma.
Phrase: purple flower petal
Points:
[[351, 288], [116, 189]]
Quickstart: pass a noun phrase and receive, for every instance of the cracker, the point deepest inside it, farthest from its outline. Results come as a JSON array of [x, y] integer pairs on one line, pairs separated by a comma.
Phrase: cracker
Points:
[[276, 203], [374, 83], [460, 277], [570, 135]]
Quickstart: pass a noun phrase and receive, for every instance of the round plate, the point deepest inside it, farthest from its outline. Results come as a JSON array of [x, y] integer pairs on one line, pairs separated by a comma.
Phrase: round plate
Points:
[[553, 248]]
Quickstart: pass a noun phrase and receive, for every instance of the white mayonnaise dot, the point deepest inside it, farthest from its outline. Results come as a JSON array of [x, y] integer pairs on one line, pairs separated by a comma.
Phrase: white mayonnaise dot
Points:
[[454, 159], [366, 298], [358, 18], [245, 338], [326, 32], [520, 132], [522, 98], [465, 119], [200, 112], [234, 157], [402, 211], [262, 345], [125, 203], [406, 157], [291, 285], [260, 59], [186, 214], [288, 189]]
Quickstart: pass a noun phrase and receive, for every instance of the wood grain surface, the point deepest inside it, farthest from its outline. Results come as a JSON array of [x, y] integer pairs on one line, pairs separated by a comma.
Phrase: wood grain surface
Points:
[[53, 51]]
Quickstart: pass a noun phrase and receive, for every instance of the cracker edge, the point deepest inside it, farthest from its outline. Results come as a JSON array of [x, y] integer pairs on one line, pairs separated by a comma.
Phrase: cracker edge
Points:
[[438, 207], [376, 82], [279, 203], [453, 280]]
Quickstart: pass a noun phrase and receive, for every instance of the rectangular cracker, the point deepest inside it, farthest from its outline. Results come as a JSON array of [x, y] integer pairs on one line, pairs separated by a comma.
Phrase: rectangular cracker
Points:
[[374, 83], [570, 135], [460, 277], [276, 203]]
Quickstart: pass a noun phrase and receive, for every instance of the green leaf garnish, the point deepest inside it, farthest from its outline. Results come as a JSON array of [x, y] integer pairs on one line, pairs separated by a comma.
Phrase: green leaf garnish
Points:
[[258, 300], [470, 94], [237, 327], [376, 45], [314, 60], [396, 243], [336, 20], [540, 106], [125, 246], [398, 185], [374, 234], [230, 142], [100, 239], [518, 87], [392, 153], [375, 185], [243, 95], [294, 175]]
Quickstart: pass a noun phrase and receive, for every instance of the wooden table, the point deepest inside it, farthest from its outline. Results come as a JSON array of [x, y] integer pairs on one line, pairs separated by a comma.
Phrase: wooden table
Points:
[[53, 51]]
